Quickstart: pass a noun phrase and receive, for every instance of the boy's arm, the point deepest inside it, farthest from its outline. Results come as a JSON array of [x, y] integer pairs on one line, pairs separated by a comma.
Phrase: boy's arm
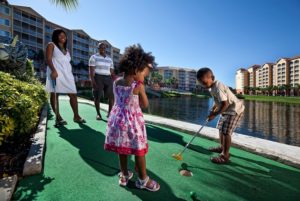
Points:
[[222, 108], [214, 107]]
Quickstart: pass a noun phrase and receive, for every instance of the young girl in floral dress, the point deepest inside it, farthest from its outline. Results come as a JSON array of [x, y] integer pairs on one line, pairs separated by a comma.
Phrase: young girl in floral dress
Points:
[[126, 131]]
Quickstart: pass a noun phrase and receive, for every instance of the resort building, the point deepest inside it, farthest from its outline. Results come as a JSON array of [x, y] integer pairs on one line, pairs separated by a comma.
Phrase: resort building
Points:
[[265, 75], [294, 71], [185, 77], [35, 32], [252, 75], [283, 74], [241, 80]]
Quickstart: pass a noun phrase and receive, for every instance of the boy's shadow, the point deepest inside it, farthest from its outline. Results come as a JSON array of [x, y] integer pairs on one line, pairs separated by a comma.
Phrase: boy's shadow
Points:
[[157, 134], [90, 145], [255, 176]]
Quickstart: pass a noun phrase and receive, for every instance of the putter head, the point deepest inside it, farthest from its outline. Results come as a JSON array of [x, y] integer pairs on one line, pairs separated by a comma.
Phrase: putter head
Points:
[[177, 156]]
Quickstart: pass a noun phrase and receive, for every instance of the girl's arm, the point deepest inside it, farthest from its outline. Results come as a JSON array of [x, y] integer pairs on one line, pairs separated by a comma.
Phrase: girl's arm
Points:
[[143, 97], [49, 54]]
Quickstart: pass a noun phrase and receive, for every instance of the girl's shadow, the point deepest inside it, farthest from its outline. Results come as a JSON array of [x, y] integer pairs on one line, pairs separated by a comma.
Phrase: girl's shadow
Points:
[[90, 145]]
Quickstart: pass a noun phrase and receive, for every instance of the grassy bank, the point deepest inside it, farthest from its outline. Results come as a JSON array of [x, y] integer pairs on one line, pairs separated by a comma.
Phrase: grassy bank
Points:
[[280, 99]]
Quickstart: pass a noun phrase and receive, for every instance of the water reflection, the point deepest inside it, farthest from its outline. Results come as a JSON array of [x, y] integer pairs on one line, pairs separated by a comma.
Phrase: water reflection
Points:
[[273, 121]]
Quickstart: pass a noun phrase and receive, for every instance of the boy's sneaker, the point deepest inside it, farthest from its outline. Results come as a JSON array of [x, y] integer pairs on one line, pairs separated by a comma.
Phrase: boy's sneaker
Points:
[[123, 179]]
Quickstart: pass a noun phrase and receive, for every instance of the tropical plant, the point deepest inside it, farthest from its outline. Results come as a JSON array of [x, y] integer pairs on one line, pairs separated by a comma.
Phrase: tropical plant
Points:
[[156, 78], [174, 82], [20, 103], [67, 4], [297, 89], [13, 56], [246, 89]]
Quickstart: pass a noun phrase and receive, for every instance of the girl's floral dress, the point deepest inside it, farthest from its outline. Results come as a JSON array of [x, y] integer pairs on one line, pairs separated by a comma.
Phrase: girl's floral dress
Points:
[[126, 131]]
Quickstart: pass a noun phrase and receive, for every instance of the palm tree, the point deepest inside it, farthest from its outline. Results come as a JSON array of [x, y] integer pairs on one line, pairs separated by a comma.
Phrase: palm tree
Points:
[[67, 4], [297, 88], [246, 90], [287, 89], [281, 89], [275, 90], [174, 82], [270, 89], [256, 89]]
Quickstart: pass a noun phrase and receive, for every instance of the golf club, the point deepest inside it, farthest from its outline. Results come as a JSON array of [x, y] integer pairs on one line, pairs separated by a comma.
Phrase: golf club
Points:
[[179, 155], [55, 102]]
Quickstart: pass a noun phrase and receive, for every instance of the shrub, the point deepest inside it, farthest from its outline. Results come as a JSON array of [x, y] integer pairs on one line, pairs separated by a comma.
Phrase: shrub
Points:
[[20, 104]]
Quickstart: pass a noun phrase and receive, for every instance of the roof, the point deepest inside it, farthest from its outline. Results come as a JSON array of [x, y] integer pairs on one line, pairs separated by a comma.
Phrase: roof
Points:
[[254, 66], [295, 57], [242, 69], [106, 42], [52, 23], [174, 68], [28, 10], [284, 58], [270, 64], [81, 31]]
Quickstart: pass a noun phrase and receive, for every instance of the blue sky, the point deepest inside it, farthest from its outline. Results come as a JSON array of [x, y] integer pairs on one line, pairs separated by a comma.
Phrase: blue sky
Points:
[[221, 34]]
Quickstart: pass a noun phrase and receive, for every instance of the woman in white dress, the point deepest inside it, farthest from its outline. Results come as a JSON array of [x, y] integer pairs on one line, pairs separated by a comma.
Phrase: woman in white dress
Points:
[[59, 71]]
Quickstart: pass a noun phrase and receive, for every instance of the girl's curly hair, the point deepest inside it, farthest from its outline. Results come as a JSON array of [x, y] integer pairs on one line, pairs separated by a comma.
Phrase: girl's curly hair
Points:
[[135, 59]]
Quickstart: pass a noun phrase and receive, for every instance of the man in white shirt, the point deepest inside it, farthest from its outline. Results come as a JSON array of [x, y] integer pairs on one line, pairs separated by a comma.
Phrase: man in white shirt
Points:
[[101, 71]]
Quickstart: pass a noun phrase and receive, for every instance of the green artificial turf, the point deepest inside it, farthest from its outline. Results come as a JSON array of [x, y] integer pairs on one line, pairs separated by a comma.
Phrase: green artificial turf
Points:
[[77, 168]]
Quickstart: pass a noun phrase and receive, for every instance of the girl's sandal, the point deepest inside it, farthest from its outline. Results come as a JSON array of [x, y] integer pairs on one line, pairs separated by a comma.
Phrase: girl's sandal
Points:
[[218, 149], [123, 179], [148, 184], [60, 122], [221, 159], [79, 121], [99, 118]]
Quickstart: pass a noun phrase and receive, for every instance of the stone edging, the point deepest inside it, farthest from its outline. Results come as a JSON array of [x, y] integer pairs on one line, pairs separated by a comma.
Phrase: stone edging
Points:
[[283, 153], [34, 161], [7, 187]]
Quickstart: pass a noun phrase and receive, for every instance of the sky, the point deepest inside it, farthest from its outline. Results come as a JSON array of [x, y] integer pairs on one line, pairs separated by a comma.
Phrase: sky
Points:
[[221, 34]]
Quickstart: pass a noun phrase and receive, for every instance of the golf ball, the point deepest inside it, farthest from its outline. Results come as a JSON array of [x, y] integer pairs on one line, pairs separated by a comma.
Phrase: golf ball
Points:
[[193, 194]]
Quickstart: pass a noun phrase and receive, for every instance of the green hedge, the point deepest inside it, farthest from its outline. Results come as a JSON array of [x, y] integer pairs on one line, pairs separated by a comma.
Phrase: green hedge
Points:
[[20, 104]]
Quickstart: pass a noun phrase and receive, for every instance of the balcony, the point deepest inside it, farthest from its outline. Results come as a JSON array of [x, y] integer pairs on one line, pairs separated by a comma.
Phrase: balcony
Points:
[[17, 28], [24, 19], [29, 42], [18, 17]]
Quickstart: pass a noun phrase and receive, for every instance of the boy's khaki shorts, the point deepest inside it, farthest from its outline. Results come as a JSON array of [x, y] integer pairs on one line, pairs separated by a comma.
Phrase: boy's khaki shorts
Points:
[[228, 123]]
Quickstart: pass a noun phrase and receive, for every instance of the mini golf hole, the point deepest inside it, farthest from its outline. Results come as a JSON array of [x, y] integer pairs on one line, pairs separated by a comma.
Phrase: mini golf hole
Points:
[[186, 173]]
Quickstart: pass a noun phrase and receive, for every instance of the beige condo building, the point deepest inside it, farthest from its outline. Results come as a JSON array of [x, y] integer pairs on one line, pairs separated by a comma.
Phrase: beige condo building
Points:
[[186, 77], [241, 80], [265, 75]]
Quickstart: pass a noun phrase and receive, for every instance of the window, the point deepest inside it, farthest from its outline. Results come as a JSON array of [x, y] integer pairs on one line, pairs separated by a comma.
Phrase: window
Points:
[[4, 10], [4, 22], [4, 33], [25, 15], [17, 22]]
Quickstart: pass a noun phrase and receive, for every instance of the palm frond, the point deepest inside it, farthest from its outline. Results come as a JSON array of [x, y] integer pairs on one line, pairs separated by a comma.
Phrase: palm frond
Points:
[[67, 4]]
